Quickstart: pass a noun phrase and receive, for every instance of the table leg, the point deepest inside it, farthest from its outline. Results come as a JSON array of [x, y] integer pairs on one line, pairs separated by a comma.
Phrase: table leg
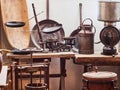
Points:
[[63, 73], [14, 76], [47, 77]]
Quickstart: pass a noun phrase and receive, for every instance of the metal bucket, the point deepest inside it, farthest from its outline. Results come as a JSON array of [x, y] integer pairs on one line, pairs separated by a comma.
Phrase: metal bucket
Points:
[[109, 11], [36, 86]]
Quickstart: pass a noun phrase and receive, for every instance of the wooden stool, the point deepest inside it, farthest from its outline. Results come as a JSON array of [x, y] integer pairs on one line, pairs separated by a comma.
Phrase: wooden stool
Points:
[[30, 69]]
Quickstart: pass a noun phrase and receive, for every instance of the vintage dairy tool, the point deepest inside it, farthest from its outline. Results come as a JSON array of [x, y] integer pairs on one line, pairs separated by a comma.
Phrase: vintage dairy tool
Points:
[[76, 31], [15, 24], [109, 11], [86, 38], [109, 35], [38, 28], [69, 41], [31, 70], [14, 13], [50, 29], [101, 80]]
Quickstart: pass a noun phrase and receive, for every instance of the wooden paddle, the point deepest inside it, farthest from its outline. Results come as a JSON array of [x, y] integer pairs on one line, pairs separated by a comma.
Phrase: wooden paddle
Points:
[[16, 10]]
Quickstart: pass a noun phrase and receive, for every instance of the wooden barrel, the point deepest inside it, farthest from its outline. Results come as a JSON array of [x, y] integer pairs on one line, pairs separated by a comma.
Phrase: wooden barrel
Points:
[[101, 80]]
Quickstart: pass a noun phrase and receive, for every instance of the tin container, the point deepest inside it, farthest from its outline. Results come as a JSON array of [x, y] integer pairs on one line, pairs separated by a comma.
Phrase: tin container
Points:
[[86, 39], [109, 11]]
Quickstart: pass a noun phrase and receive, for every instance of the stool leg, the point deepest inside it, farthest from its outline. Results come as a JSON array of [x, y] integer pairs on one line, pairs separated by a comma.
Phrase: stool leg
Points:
[[114, 83], [21, 79], [85, 84], [40, 74], [31, 78], [62, 73], [47, 77], [5, 87], [9, 85], [14, 76]]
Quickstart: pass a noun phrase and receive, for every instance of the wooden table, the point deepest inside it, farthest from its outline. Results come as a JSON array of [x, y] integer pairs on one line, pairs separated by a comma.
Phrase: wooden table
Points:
[[82, 59], [62, 55], [97, 59]]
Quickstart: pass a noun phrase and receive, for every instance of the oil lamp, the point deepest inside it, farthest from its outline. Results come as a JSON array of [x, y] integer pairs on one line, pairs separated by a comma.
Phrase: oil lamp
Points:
[[109, 35]]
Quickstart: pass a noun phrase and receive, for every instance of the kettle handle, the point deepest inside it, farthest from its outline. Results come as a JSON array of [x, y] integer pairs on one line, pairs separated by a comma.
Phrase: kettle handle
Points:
[[94, 29], [86, 20], [91, 23]]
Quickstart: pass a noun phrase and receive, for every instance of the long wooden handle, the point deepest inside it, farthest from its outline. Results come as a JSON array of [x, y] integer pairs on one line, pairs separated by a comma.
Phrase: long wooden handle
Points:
[[80, 7], [39, 32], [47, 9]]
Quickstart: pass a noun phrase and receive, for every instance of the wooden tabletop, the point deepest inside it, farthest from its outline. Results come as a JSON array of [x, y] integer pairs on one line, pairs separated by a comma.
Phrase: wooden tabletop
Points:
[[42, 55], [97, 59]]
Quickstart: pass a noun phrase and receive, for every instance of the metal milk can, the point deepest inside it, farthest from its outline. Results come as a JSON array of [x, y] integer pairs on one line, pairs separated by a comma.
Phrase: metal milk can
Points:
[[86, 38]]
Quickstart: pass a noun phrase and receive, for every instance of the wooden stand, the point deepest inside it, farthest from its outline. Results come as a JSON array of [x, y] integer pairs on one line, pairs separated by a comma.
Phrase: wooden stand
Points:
[[4, 83], [17, 71]]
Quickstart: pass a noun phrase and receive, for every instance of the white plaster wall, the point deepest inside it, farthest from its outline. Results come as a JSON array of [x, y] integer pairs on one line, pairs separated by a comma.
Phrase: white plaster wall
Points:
[[66, 12]]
